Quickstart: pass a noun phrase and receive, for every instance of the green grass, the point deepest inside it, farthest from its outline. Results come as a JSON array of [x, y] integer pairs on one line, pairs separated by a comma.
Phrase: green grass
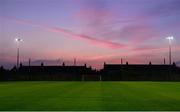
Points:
[[42, 95]]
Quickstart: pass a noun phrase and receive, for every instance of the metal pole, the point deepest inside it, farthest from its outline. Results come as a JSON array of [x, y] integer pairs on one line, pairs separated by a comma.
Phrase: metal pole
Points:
[[18, 57], [29, 62], [170, 52], [121, 61], [74, 61], [18, 40]]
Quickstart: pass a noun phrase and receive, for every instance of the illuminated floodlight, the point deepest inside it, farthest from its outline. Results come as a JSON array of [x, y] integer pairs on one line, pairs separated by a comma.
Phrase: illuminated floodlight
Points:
[[18, 40], [170, 38]]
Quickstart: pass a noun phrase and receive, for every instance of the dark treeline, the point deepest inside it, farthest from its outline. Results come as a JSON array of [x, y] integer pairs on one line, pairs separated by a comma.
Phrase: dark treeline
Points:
[[110, 72]]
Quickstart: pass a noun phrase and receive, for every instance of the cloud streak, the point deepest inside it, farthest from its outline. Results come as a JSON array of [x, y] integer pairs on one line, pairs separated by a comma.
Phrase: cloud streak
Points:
[[91, 40], [138, 52]]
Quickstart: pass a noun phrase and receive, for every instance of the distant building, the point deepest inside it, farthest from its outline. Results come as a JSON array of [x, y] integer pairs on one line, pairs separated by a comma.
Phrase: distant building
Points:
[[110, 72], [54, 72], [142, 72]]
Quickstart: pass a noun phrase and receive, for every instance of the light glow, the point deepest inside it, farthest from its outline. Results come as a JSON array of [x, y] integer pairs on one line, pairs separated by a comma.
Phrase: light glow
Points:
[[170, 38], [18, 40]]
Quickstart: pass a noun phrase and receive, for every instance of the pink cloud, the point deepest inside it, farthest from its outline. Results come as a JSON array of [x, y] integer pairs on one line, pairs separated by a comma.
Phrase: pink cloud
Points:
[[134, 30], [88, 14], [137, 33], [136, 53], [95, 21], [97, 42], [92, 40]]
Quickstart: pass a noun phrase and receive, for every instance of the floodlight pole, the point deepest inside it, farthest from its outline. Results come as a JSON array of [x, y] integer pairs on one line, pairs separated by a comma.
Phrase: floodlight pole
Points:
[[170, 39], [169, 51], [18, 40], [18, 57]]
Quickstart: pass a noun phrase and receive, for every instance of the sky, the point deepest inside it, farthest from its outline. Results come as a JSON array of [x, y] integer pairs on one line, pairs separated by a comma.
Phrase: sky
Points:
[[92, 31]]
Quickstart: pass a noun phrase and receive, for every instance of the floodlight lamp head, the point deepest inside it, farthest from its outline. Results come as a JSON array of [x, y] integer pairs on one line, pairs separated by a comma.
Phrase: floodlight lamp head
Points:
[[18, 40], [170, 38]]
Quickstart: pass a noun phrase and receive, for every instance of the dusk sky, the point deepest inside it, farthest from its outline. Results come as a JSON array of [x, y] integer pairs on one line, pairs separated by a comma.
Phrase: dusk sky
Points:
[[92, 31]]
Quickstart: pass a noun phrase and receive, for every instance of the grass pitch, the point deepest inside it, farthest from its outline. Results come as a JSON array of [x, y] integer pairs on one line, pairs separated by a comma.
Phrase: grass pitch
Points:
[[52, 95]]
